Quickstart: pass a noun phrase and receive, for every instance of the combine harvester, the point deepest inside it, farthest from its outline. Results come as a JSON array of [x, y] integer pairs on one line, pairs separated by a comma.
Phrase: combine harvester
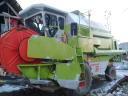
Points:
[[57, 49]]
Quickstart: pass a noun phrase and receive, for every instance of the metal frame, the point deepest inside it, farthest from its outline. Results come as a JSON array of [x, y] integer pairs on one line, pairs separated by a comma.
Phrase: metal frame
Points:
[[1, 3], [12, 9]]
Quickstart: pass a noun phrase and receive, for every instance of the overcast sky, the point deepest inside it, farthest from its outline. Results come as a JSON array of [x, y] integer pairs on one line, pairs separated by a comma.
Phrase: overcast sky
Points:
[[118, 9]]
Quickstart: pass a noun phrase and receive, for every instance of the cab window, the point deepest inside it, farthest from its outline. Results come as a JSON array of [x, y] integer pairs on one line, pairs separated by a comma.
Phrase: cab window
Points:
[[51, 24], [35, 23], [61, 23], [51, 20]]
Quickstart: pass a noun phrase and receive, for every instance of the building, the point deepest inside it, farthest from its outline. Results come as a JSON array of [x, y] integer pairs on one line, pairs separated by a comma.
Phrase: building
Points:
[[8, 8], [123, 46]]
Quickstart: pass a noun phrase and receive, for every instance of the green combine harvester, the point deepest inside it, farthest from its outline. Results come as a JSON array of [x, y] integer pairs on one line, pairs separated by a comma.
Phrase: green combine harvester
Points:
[[63, 50]]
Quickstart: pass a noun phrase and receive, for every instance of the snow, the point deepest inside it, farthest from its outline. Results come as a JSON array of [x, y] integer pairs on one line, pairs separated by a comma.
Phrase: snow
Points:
[[10, 88]]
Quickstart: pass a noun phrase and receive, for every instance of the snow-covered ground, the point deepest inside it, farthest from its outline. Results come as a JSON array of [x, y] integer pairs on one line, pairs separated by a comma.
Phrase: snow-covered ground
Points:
[[10, 88], [122, 71]]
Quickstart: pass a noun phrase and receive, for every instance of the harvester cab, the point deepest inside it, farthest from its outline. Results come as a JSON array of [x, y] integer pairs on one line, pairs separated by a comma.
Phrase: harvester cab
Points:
[[45, 20]]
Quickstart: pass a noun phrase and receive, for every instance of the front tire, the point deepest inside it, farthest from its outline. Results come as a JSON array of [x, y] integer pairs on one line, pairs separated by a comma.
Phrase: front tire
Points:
[[88, 82]]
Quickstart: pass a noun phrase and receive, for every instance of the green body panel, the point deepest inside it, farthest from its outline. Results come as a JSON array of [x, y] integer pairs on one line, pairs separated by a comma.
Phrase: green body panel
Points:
[[36, 71], [67, 28], [100, 58], [103, 43], [86, 44], [63, 71], [80, 58], [101, 33], [84, 31], [68, 71], [49, 48], [73, 41]]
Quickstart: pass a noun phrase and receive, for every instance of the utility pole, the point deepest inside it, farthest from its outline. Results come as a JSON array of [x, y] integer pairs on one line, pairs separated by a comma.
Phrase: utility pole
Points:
[[89, 21], [107, 17]]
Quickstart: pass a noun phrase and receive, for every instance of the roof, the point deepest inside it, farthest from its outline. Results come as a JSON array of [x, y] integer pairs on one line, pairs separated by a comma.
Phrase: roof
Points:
[[40, 7], [84, 20], [74, 15], [10, 6]]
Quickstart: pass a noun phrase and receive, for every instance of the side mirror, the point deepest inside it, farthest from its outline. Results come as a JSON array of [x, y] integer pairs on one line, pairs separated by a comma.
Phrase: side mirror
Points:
[[74, 29]]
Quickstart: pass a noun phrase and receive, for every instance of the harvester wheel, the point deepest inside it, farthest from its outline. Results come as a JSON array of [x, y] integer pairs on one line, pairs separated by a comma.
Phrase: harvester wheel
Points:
[[87, 82]]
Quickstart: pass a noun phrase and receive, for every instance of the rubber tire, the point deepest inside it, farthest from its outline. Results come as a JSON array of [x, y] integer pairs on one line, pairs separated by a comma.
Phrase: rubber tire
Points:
[[88, 82]]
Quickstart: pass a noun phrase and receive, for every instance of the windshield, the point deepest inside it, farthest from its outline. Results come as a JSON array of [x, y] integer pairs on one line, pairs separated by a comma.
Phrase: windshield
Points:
[[51, 20], [61, 23], [51, 24], [35, 23]]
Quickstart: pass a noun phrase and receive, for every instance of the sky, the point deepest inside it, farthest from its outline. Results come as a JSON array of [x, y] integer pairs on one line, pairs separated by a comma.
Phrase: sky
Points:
[[99, 9]]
